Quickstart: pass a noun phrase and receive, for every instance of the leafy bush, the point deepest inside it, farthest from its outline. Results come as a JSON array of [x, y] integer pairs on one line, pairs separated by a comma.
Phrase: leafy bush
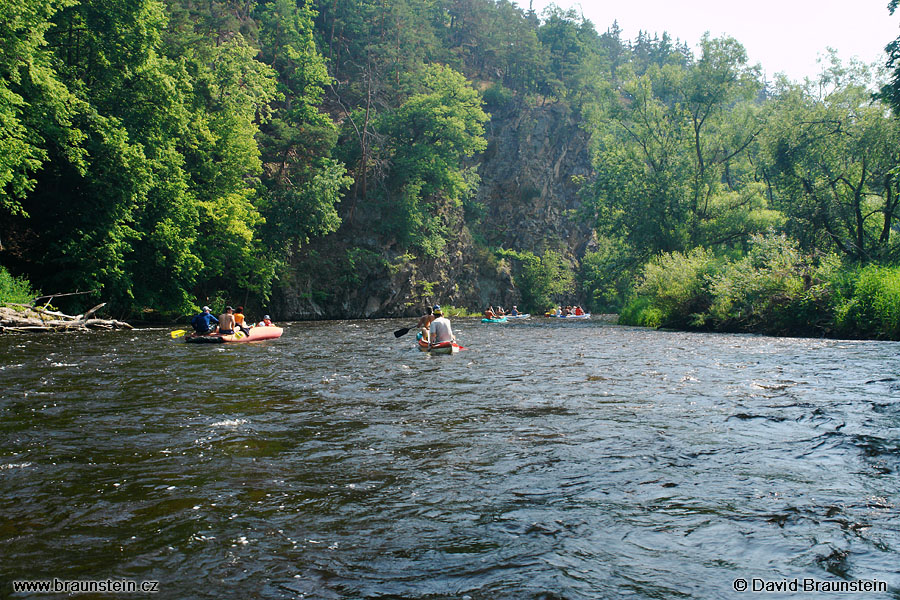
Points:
[[497, 96], [673, 290], [17, 290], [873, 308], [641, 312], [761, 286]]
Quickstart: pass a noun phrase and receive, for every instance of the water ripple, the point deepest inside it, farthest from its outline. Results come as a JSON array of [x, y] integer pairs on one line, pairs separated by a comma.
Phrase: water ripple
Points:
[[594, 461]]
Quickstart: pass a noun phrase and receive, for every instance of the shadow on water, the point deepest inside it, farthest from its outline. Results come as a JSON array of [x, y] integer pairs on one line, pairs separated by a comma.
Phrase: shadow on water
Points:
[[552, 459]]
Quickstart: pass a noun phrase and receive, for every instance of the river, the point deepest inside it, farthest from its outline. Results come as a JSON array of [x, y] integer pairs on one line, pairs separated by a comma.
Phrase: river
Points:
[[550, 460]]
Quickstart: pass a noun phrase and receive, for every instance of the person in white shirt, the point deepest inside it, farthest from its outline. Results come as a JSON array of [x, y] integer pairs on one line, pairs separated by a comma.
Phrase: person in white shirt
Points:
[[440, 330]]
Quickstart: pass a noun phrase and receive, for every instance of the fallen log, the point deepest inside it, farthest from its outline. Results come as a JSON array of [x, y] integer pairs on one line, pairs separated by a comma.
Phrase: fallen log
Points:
[[33, 319]]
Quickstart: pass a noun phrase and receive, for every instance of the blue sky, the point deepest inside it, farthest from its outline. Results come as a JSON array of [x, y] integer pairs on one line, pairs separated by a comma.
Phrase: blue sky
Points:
[[783, 36]]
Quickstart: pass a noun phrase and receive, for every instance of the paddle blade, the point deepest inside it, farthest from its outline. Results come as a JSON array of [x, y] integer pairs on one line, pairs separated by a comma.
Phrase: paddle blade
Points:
[[178, 333], [401, 332]]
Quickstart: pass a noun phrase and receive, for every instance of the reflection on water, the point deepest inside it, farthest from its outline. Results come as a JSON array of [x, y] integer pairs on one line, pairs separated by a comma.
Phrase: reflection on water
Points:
[[551, 460]]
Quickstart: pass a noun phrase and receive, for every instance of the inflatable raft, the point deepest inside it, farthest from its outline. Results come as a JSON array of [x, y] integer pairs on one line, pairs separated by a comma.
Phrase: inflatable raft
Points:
[[256, 334]]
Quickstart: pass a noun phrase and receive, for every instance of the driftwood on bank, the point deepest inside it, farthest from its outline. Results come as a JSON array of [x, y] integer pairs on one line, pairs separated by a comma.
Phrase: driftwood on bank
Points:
[[29, 319]]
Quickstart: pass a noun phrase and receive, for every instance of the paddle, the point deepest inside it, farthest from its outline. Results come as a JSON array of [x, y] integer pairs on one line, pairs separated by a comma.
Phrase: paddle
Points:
[[178, 333], [404, 331]]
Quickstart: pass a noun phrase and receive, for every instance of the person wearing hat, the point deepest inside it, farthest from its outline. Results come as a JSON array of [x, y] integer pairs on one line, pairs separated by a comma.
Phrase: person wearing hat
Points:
[[226, 321], [515, 311], [424, 323], [440, 330], [266, 322], [203, 323]]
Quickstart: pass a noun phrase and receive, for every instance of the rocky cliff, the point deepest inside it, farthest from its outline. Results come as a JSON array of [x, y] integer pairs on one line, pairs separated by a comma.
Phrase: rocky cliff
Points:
[[529, 197]]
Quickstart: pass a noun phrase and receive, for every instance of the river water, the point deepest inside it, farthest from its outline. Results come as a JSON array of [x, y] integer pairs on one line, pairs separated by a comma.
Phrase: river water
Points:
[[552, 459]]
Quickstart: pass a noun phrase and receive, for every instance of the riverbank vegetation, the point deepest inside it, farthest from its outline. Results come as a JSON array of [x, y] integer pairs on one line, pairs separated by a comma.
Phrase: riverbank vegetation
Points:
[[15, 290], [347, 156], [775, 289]]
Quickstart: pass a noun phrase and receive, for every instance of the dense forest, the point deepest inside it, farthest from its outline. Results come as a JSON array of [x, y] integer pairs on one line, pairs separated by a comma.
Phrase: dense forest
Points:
[[348, 158]]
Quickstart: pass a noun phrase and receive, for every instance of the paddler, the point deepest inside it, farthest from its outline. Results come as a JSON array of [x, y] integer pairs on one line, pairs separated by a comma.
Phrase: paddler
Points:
[[239, 319], [226, 321], [203, 322], [489, 313], [440, 330], [424, 323]]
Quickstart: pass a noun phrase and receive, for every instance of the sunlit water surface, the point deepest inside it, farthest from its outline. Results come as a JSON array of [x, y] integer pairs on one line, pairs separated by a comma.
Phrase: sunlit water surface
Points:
[[551, 459]]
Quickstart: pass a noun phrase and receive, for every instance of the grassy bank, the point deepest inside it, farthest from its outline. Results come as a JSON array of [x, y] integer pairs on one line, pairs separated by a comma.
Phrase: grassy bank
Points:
[[775, 289]]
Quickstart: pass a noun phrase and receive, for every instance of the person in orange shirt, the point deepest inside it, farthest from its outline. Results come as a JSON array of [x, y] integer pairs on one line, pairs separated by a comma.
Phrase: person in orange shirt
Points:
[[239, 319]]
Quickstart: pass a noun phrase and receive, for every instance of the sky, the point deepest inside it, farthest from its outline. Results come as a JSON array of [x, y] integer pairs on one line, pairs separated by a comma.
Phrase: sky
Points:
[[785, 36]]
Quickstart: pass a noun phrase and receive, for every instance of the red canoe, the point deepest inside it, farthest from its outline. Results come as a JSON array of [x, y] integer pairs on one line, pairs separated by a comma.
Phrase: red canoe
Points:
[[442, 348], [256, 334]]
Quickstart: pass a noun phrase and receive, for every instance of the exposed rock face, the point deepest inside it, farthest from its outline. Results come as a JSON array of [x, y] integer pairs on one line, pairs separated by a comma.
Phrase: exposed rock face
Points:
[[527, 180], [529, 198]]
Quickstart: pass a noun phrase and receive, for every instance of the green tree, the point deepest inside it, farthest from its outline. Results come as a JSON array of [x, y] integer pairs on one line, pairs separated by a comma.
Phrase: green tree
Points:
[[831, 155], [544, 281], [301, 183], [36, 108], [427, 139], [673, 152]]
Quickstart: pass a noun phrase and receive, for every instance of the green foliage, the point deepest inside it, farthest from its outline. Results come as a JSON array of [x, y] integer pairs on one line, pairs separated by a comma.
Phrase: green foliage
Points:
[[17, 290], [760, 287], [302, 184], [497, 96], [640, 312], [360, 262], [149, 116], [165, 151], [607, 274], [774, 289], [673, 289], [453, 311], [543, 281], [672, 154], [873, 308], [830, 156], [429, 137]]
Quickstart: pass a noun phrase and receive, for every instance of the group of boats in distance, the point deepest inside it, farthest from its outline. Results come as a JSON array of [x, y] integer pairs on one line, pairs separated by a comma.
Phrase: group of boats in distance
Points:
[[507, 318]]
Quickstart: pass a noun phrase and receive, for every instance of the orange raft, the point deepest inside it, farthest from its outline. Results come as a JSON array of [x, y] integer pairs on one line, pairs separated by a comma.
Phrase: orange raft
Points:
[[256, 334]]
